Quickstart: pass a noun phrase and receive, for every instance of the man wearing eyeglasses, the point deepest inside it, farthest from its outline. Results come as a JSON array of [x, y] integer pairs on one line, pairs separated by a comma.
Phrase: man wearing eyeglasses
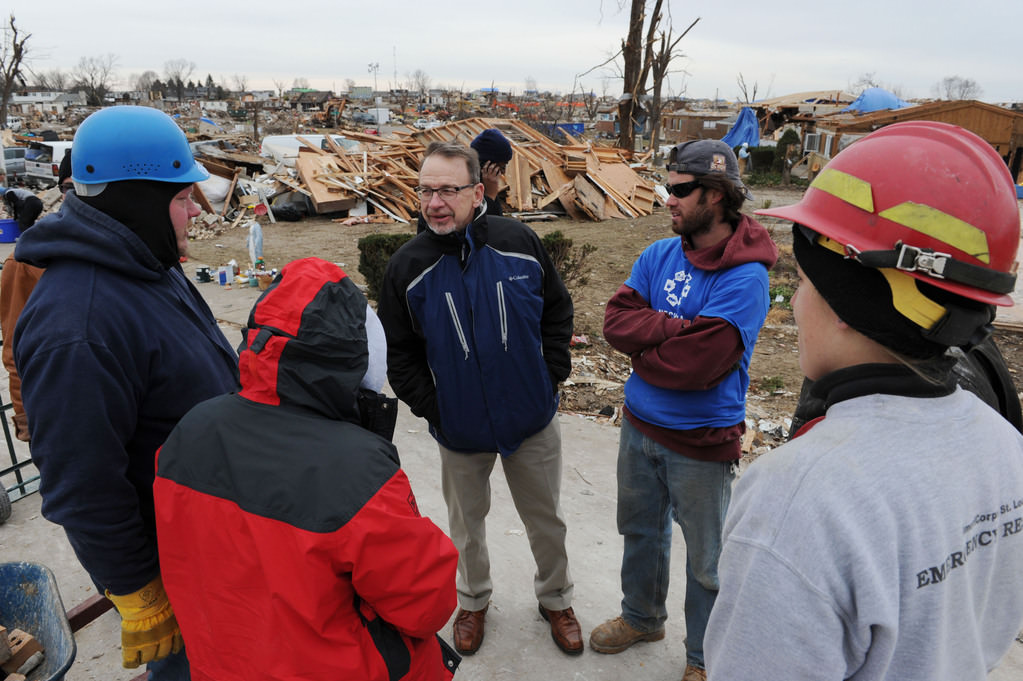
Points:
[[478, 324], [688, 315]]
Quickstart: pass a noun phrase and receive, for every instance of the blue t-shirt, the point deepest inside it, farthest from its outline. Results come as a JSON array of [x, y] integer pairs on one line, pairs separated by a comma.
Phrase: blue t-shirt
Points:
[[738, 295]]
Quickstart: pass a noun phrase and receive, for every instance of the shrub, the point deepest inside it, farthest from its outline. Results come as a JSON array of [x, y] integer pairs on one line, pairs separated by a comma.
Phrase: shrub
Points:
[[783, 291], [374, 252], [761, 158], [568, 260]]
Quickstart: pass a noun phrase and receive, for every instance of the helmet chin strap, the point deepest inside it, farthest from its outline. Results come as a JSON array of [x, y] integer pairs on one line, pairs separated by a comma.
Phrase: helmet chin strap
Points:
[[947, 324]]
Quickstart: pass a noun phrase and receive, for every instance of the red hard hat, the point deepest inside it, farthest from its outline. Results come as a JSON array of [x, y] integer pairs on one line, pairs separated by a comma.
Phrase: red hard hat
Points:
[[930, 199]]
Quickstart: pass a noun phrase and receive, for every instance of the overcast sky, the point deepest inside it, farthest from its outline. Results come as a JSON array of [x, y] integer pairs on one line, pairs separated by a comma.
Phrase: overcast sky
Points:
[[782, 47]]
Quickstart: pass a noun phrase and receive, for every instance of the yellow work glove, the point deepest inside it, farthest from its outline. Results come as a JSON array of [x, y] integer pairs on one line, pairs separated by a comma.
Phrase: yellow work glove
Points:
[[149, 630]]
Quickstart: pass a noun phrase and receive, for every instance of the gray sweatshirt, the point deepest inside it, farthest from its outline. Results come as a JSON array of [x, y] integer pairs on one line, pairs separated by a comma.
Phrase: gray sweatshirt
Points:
[[885, 543]]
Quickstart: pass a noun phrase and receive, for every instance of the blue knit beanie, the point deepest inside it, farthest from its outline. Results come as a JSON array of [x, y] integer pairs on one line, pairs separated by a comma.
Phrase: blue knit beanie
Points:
[[492, 147]]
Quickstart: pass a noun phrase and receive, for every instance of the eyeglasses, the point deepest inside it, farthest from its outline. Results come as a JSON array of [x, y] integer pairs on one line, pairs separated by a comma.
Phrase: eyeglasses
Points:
[[445, 193], [682, 189]]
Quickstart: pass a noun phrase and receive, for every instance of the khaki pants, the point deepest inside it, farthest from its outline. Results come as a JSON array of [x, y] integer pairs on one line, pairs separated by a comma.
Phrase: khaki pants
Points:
[[533, 473]]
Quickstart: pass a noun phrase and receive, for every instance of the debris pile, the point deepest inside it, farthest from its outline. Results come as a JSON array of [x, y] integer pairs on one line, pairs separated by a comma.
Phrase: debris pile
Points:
[[372, 175]]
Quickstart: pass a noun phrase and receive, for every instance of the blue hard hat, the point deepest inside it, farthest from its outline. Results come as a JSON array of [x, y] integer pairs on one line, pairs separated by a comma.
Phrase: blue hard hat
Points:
[[132, 143]]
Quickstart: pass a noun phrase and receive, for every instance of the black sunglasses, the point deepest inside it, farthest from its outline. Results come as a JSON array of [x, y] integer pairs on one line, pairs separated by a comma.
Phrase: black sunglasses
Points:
[[682, 189]]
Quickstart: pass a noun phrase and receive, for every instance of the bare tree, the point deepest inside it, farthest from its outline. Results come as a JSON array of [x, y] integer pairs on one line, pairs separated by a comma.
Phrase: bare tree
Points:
[[635, 72], [746, 94], [661, 61], [241, 82], [300, 84], [956, 87], [420, 83], [145, 81], [864, 82], [279, 85], [640, 60], [53, 80], [591, 103], [12, 55], [177, 71], [96, 76], [349, 84]]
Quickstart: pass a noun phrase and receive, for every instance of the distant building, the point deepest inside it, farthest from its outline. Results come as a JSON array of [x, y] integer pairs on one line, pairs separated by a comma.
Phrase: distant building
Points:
[[361, 92], [41, 104], [683, 125]]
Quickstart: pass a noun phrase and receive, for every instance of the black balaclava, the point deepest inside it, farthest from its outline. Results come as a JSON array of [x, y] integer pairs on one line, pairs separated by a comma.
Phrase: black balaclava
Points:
[[64, 170], [862, 298], [143, 206]]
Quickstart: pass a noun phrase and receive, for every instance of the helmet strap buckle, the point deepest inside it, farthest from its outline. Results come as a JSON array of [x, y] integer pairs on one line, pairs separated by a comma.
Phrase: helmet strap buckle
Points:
[[913, 259]]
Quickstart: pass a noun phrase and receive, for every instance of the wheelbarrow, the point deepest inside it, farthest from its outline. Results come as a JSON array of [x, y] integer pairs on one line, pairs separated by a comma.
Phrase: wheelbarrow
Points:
[[29, 601]]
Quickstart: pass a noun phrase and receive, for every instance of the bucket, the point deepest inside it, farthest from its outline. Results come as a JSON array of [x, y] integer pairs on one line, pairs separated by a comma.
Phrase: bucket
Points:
[[9, 231]]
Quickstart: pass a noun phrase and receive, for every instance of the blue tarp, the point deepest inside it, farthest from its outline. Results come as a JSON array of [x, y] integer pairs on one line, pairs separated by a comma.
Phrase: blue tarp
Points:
[[876, 99], [746, 129]]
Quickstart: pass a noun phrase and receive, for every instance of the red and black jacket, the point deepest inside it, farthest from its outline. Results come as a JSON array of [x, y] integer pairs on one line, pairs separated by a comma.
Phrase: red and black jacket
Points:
[[291, 546]]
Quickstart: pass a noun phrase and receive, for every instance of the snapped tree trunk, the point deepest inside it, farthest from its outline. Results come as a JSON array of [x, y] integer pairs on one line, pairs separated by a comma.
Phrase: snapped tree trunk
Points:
[[632, 54]]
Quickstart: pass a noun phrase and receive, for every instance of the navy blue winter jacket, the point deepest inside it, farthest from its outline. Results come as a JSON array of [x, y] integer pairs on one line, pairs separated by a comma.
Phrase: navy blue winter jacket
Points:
[[112, 350], [478, 327]]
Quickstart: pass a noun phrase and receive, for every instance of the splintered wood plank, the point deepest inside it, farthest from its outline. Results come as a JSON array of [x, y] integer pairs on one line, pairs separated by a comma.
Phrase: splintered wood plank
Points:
[[218, 169], [628, 183], [291, 184], [334, 146], [200, 198], [612, 209], [520, 193], [609, 191], [309, 165], [230, 191], [556, 177], [554, 196], [314, 147], [589, 198]]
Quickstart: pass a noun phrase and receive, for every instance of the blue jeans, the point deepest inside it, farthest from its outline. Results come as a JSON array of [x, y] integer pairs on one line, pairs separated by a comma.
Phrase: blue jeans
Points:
[[174, 667], [655, 486]]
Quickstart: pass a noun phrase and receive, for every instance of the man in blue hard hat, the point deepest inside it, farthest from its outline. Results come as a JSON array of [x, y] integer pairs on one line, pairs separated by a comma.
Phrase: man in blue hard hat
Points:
[[114, 347]]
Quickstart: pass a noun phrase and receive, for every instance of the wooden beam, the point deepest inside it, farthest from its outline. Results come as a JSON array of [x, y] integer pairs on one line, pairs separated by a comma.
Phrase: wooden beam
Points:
[[230, 192], [200, 198]]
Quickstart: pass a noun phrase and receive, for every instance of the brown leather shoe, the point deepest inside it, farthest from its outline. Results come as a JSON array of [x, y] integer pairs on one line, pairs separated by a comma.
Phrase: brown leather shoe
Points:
[[468, 630], [565, 629], [616, 635], [694, 673]]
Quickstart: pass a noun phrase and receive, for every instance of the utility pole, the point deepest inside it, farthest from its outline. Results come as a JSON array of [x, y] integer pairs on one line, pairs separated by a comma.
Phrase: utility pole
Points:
[[374, 67]]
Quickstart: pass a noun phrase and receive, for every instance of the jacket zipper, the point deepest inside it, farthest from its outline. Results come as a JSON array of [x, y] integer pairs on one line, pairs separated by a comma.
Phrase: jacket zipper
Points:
[[458, 325], [502, 314]]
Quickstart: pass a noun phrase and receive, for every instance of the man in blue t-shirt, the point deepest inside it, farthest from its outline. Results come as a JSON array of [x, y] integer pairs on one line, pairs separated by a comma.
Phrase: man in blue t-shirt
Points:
[[688, 316]]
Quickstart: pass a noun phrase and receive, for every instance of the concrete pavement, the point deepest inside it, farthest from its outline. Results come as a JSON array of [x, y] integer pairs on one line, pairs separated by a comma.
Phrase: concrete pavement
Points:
[[518, 643]]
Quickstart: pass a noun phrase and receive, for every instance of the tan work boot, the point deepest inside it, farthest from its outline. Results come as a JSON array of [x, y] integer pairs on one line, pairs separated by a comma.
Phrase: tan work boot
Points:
[[616, 635], [694, 674]]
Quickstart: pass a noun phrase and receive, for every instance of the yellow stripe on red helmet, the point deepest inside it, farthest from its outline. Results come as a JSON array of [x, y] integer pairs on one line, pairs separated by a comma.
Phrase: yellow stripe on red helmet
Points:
[[846, 187], [942, 226]]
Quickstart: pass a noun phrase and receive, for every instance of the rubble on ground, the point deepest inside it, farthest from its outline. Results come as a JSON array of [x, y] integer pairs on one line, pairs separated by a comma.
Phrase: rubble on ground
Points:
[[371, 175]]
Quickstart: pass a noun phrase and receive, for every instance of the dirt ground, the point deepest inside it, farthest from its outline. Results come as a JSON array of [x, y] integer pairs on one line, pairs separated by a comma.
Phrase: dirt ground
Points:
[[599, 372]]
